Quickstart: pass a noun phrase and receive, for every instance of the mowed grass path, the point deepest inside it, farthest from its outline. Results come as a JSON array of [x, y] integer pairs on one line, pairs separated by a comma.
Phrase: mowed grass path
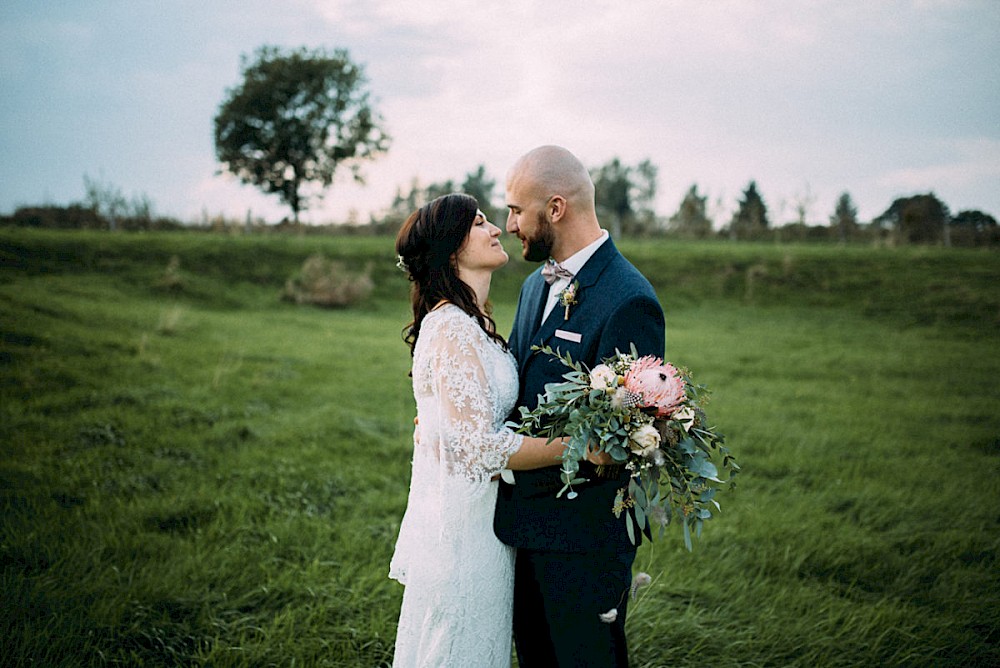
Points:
[[205, 475]]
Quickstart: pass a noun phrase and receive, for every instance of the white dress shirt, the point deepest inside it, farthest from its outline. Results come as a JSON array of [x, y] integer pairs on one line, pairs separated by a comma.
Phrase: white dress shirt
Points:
[[573, 263]]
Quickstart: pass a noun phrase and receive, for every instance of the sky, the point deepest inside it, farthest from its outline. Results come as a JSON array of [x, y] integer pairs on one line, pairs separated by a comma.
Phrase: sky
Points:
[[877, 98]]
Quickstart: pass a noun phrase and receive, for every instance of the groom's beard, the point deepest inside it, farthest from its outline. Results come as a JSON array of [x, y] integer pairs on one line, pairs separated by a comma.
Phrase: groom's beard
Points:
[[539, 248]]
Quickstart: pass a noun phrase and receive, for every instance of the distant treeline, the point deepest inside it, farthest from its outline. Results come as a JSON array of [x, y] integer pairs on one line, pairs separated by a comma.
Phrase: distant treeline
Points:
[[624, 197], [80, 217], [911, 222]]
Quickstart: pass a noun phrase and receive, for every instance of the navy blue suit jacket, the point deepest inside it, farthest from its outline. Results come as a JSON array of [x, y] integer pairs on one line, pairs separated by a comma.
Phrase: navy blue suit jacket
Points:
[[616, 307]]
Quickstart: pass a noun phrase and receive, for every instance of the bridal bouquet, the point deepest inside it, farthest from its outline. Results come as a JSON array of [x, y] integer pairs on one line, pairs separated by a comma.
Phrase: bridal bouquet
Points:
[[649, 417]]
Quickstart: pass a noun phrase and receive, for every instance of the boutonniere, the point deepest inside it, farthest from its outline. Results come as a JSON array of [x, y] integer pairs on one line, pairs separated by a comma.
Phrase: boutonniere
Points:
[[567, 298]]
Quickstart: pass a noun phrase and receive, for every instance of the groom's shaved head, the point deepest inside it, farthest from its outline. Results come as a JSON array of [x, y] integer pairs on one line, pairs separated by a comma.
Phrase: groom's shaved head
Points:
[[552, 170], [551, 201]]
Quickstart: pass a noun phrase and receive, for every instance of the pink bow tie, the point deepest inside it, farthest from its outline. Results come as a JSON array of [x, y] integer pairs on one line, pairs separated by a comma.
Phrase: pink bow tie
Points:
[[552, 271]]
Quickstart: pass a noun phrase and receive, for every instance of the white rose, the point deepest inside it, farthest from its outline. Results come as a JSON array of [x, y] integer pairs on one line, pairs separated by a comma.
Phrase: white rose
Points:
[[602, 377], [685, 416], [644, 440]]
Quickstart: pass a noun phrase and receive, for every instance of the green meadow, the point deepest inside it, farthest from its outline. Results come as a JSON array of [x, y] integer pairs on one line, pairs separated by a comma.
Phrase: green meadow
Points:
[[194, 472]]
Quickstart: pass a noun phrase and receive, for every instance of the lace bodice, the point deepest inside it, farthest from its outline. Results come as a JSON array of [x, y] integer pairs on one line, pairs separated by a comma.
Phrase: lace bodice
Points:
[[458, 601], [465, 386]]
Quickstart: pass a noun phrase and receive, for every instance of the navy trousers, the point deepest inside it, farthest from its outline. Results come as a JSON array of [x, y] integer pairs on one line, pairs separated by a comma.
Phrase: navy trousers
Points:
[[558, 600]]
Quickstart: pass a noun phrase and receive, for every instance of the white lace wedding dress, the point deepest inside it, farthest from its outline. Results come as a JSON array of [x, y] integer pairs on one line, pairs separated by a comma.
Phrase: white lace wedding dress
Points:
[[458, 602]]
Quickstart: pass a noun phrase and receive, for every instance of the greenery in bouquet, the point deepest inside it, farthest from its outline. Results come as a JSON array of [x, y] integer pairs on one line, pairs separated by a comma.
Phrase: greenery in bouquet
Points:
[[649, 417]]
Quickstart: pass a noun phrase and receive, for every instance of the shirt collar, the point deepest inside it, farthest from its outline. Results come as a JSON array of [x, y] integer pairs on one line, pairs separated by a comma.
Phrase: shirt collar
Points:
[[575, 262]]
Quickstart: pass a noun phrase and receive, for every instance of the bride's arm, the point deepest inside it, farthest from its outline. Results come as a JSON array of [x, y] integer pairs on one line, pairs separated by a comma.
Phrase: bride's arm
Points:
[[537, 453], [465, 438]]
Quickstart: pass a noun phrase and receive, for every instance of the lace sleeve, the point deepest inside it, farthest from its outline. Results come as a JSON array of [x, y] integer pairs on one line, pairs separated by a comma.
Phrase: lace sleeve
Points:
[[473, 443]]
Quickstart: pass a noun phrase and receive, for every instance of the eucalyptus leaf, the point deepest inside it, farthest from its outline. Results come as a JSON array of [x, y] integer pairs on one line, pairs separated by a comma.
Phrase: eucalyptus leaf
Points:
[[560, 387], [704, 468], [687, 446], [640, 496]]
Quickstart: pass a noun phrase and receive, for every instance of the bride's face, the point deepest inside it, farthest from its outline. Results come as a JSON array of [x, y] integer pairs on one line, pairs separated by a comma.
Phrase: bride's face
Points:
[[481, 248]]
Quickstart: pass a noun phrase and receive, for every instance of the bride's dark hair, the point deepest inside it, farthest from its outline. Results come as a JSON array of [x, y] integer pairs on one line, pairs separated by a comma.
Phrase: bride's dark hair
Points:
[[427, 245]]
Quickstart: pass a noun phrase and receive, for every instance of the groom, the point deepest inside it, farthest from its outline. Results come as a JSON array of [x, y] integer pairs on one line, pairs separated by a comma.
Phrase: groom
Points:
[[574, 557]]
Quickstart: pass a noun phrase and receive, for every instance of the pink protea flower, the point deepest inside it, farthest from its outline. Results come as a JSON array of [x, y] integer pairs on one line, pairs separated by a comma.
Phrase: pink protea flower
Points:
[[658, 382]]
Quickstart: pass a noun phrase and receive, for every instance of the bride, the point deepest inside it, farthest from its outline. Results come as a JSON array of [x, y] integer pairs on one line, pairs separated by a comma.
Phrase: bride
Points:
[[457, 605]]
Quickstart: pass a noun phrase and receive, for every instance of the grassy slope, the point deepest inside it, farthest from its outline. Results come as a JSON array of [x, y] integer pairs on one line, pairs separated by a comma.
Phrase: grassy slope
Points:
[[210, 476]]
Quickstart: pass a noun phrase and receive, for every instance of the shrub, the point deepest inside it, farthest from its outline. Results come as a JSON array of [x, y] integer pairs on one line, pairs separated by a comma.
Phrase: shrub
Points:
[[328, 283], [56, 217], [171, 280]]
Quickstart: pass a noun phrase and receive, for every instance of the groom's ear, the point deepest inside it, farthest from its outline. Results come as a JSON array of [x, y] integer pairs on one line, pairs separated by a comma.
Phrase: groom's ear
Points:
[[556, 208]]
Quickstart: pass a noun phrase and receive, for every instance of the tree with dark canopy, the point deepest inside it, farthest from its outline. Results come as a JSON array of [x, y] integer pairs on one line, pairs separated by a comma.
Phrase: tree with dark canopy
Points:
[[296, 117], [750, 220], [917, 219]]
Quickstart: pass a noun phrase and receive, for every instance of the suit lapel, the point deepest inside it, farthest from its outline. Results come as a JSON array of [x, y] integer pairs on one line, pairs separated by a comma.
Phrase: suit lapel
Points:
[[588, 276], [529, 316]]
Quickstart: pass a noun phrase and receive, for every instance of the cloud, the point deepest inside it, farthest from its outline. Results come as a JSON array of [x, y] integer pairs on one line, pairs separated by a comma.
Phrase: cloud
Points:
[[970, 166], [827, 94], [215, 195], [971, 161]]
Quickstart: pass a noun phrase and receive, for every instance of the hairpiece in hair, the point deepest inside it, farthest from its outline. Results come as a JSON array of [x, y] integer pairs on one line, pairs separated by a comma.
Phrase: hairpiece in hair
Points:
[[401, 264]]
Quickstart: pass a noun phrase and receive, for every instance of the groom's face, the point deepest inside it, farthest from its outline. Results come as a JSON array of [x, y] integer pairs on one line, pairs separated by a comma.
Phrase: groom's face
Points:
[[538, 246], [528, 220]]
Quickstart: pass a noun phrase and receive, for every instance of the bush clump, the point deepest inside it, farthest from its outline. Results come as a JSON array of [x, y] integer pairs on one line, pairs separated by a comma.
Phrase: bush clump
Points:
[[328, 283], [171, 279]]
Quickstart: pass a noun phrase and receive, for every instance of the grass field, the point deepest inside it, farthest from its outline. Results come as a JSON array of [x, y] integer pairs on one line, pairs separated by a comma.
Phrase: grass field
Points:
[[196, 473]]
